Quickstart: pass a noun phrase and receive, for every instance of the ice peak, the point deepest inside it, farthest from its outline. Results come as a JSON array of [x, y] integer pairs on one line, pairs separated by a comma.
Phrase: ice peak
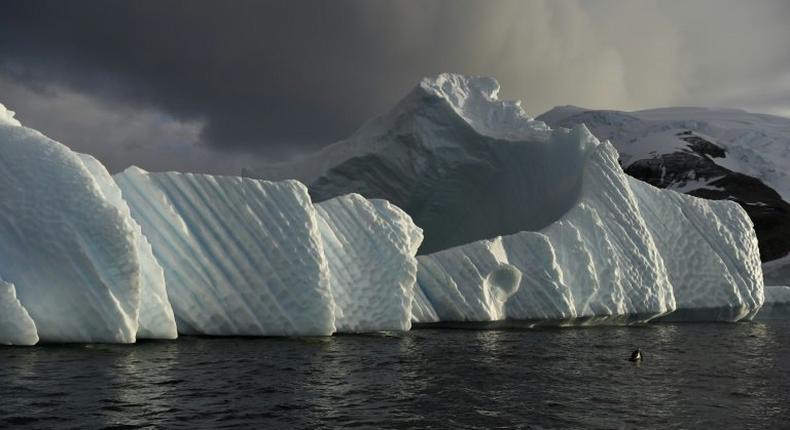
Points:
[[476, 100], [7, 116], [457, 89]]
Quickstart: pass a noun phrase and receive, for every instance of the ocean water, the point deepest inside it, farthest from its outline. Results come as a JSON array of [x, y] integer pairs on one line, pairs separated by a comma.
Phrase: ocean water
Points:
[[693, 376]]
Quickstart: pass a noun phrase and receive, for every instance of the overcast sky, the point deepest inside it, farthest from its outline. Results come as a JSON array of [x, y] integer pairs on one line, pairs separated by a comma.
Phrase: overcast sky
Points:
[[214, 86]]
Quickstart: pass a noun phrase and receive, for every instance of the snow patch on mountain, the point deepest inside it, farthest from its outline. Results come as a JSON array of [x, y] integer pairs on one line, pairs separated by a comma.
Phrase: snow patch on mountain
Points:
[[757, 145]]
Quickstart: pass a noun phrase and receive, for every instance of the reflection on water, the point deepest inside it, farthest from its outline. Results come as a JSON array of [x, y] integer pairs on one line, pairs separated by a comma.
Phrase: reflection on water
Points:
[[693, 375]]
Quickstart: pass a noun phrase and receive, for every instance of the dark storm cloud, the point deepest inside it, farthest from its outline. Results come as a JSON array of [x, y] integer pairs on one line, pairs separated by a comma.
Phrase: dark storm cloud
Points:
[[254, 70], [277, 78]]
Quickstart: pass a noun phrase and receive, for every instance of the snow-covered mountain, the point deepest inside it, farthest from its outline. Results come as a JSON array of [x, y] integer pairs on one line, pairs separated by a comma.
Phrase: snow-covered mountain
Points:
[[711, 153], [529, 223]]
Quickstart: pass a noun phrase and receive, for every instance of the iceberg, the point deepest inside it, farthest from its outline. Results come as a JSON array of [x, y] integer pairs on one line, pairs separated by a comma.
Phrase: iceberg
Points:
[[513, 222], [69, 253], [523, 222], [601, 263], [240, 256], [258, 258], [156, 319], [89, 257]]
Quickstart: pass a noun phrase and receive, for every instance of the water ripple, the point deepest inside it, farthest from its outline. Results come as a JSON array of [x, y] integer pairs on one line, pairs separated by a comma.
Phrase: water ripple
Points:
[[695, 375]]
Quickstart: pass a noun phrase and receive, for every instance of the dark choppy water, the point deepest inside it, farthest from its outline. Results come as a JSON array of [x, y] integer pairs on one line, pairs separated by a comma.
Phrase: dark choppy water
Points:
[[693, 376]]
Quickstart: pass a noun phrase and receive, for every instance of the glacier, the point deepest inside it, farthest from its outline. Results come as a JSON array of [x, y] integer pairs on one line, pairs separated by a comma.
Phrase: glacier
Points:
[[523, 222]]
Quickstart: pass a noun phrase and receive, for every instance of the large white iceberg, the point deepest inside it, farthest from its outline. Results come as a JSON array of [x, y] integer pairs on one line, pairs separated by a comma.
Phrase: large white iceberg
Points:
[[69, 253], [580, 240], [92, 258], [521, 222]]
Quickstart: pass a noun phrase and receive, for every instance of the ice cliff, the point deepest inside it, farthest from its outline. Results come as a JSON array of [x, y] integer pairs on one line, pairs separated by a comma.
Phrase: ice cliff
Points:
[[249, 257], [67, 250], [87, 257]]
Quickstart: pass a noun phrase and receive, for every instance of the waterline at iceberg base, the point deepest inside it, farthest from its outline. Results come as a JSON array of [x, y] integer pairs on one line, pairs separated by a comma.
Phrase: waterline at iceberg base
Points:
[[521, 223]]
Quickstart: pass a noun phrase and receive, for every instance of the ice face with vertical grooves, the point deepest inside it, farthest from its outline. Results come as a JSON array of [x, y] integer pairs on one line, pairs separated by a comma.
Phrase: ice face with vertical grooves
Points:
[[240, 256], [370, 248], [711, 253], [69, 253], [16, 326], [156, 319], [422, 310]]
